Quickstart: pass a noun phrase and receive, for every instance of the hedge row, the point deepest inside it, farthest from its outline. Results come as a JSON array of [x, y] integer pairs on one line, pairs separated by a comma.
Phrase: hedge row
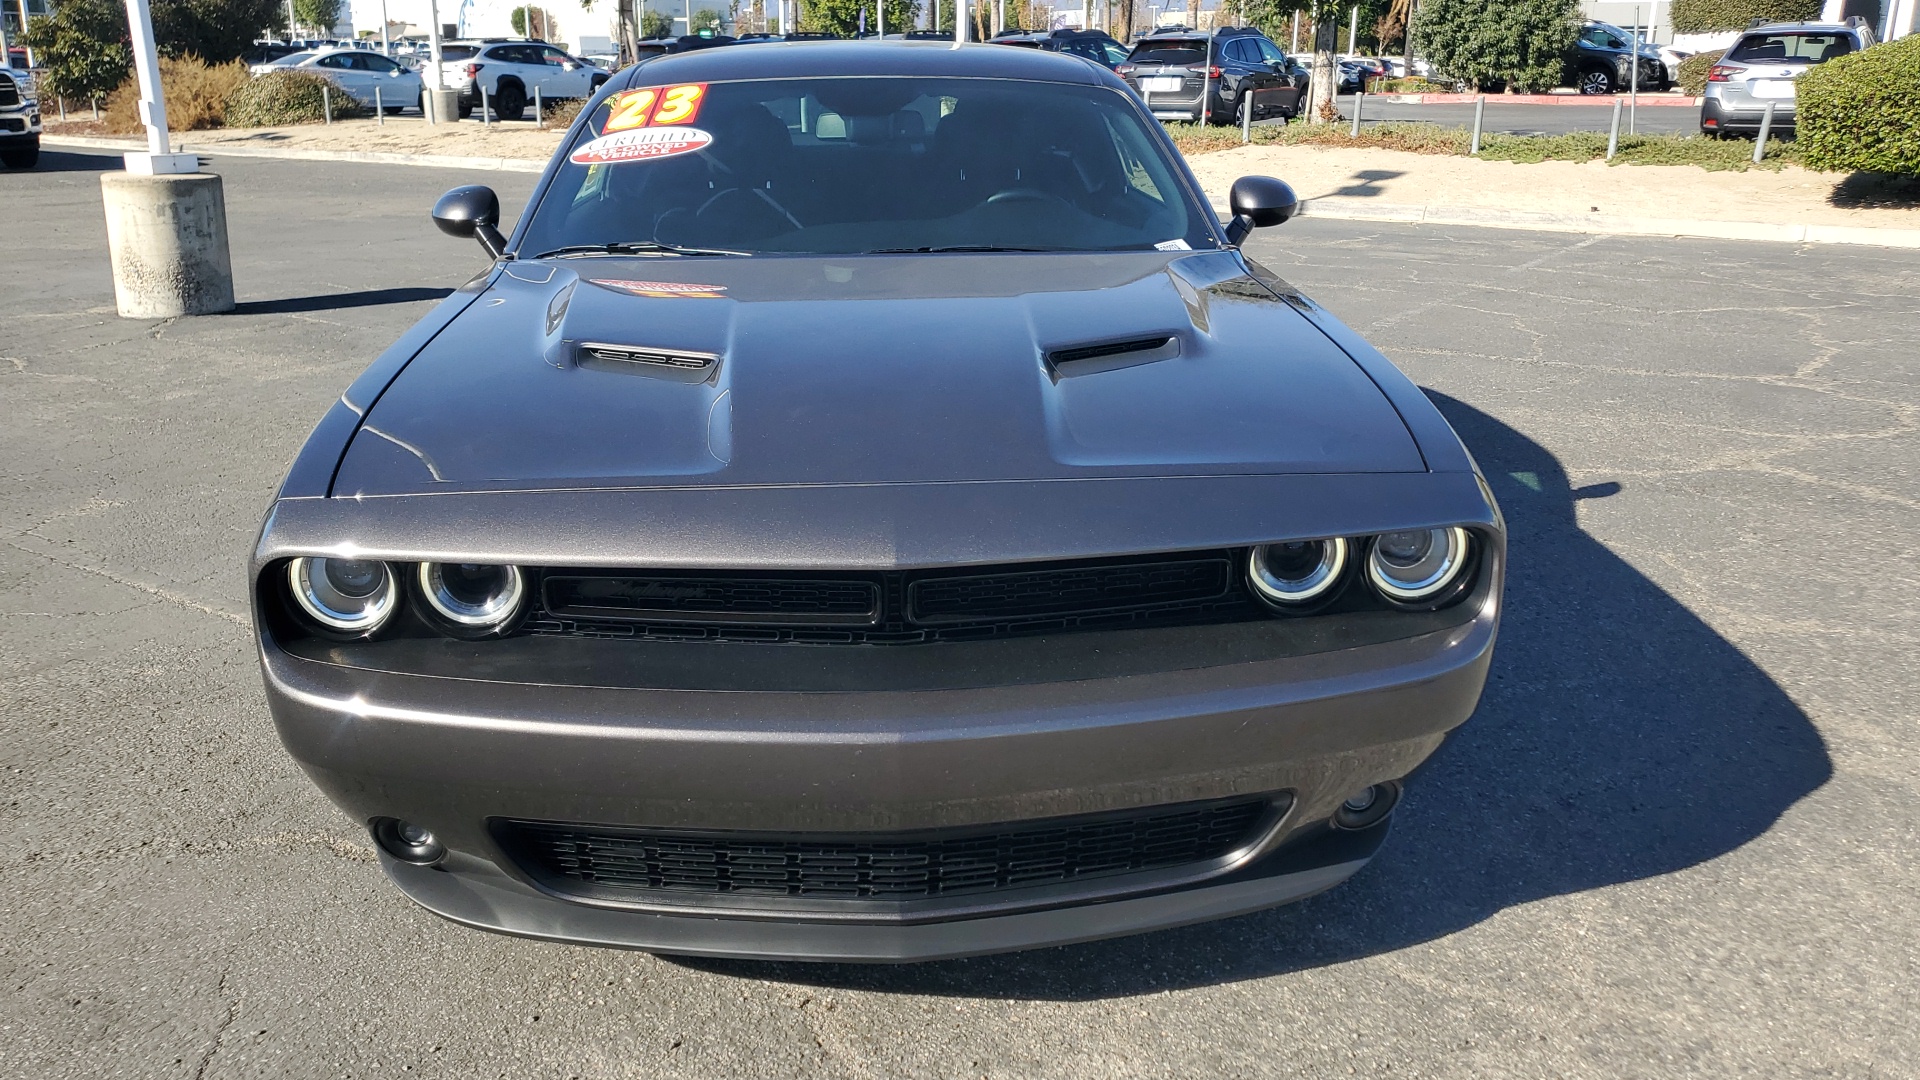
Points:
[[288, 97], [1707, 16], [1692, 75], [1861, 112]]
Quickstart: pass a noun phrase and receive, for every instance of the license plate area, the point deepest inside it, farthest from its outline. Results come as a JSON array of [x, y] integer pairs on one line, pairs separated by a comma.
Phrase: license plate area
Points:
[[1770, 89], [1160, 84]]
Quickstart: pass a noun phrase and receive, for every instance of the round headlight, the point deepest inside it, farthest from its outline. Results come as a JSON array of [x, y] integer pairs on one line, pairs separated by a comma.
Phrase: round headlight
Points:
[[355, 596], [1297, 573], [1410, 567], [473, 596]]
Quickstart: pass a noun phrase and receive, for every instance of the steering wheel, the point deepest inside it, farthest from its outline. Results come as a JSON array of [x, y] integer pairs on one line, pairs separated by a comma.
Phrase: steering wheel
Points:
[[1025, 194]]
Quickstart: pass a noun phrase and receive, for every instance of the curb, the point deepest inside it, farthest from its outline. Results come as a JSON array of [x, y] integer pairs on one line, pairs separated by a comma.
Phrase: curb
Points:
[[1602, 224], [365, 157], [1657, 100]]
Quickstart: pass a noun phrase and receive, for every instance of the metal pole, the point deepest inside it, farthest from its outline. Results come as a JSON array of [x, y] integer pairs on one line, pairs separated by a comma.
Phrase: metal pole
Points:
[[1246, 118], [960, 20], [386, 43], [326, 102], [31, 62], [1766, 129], [1633, 80], [1359, 103], [539, 114], [484, 106], [1479, 112], [433, 44], [689, 16], [146, 68], [63, 110], [1613, 137], [379, 109], [1353, 30], [1294, 45]]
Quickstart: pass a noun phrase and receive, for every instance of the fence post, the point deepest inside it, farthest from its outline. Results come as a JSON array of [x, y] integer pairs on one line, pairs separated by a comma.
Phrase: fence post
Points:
[[1766, 129], [63, 110], [1613, 136], [326, 103], [1359, 106], [1479, 110], [96, 108], [1246, 118], [539, 114], [483, 105], [379, 108]]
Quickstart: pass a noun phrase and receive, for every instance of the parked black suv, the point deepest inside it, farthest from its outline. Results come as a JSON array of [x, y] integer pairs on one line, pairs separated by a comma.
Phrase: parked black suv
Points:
[[1599, 62], [1094, 45], [1187, 75]]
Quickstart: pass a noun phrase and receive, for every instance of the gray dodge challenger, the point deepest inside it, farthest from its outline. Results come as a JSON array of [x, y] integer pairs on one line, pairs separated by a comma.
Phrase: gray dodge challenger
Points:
[[870, 509]]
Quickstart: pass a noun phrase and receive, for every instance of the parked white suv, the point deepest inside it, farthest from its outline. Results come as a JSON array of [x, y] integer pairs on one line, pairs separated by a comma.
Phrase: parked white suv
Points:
[[19, 119], [510, 71]]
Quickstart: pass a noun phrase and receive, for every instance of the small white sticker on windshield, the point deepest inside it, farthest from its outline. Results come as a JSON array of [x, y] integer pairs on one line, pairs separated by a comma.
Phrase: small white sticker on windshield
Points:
[[1173, 245], [643, 144]]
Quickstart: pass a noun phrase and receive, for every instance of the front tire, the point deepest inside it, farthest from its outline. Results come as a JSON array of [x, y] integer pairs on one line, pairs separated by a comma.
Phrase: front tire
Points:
[[23, 157], [1596, 81]]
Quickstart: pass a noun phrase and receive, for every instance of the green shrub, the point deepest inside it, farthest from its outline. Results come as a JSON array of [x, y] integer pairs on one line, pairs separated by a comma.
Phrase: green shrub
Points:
[[1861, 113], [561, 113], [196, 94], [83, 46], [287, 97], [1706, 16], [1692, 75], [1484, 43]]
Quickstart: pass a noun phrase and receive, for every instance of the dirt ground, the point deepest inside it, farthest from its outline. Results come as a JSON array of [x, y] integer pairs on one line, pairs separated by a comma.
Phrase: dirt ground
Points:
[[1360, 176], [1792, 196]]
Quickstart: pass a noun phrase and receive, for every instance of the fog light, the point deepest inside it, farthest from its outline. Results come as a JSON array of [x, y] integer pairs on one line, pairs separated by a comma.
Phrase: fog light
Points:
[[1368, 806], [408, 842]]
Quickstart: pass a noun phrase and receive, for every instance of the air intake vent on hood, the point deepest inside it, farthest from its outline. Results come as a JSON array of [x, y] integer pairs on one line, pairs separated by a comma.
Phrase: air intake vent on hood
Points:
[[659, 358], [1107, 355]]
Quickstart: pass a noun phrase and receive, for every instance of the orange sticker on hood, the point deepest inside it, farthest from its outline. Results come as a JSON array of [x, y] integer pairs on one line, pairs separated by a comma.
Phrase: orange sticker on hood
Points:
[[661, 288], [642, 144]]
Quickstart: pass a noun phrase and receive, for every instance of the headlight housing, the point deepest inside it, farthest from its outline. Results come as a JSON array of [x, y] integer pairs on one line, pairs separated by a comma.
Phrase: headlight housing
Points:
[[354, 597], [1297, 574], [472, 599], [1419, 566]]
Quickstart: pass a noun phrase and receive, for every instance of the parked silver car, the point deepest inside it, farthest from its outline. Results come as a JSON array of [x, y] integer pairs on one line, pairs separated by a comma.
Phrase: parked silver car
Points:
[[1761, 67]]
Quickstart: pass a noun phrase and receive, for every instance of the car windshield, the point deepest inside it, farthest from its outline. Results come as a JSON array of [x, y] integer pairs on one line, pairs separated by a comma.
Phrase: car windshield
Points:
[[1791, 48], [853, 165], [1177, 53]]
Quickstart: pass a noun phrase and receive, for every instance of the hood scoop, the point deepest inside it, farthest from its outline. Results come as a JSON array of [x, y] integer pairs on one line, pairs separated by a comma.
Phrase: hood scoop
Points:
[[1111, 355], [682, 365]]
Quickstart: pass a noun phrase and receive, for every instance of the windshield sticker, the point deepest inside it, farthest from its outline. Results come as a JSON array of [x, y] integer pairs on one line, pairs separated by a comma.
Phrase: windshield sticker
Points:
[[653, 106], [646, 144], [1173, 245], [685, 289]]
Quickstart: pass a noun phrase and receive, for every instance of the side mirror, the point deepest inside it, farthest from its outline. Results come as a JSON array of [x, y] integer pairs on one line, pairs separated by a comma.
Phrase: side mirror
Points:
[[1257, 202], [475, 211]]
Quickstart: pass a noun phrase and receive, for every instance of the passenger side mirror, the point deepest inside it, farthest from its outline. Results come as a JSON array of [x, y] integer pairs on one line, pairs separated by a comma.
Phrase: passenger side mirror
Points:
[[1257, 202], [475, 211]]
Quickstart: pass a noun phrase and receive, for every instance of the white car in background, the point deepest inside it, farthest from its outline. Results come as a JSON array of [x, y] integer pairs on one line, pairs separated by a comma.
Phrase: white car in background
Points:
[[359, 72], [510, 71]]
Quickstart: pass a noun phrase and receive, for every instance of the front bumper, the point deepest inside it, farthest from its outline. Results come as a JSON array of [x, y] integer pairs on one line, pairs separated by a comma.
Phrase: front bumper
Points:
[[454, 754]]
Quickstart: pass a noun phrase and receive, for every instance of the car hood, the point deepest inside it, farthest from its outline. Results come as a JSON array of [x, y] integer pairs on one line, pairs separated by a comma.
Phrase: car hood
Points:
[[871, 369]]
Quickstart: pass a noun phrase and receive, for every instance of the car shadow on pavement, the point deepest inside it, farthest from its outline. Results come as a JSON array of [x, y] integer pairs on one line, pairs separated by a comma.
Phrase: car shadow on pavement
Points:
[[336, 301], [1620, 738], [52, 161]]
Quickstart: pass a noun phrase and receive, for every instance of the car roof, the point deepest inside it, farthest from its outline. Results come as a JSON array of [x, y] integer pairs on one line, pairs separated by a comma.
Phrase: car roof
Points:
[[1809, 27], [805, 59]]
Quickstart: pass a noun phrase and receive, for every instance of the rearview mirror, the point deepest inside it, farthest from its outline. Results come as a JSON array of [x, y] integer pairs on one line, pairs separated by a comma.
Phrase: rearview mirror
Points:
[[1257, 202], [474, 211]]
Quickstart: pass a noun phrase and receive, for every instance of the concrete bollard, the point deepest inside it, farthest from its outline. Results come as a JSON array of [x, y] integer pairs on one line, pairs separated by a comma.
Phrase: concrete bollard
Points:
[[167, 236], [441, 106]]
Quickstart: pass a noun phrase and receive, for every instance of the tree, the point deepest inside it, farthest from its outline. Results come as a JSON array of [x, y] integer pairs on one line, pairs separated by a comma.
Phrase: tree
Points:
[[655, 23], [1707, 16], [213, 30], [704, 18], [84, 47], [843, 16], [530, 21], [1484, 43], [318, 15]]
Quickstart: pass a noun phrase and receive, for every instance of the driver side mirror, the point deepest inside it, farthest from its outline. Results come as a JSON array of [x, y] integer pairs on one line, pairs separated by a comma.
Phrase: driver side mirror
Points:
[[1257, 202], [474, 211]]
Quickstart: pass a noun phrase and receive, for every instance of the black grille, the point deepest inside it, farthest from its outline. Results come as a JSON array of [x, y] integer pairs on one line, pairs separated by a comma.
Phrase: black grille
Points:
[[9, 93], [610, 862], [753, 600], [896, 607]]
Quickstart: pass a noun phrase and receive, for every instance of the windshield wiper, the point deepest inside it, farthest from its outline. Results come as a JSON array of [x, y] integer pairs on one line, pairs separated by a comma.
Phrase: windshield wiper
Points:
[[634, 247], [954, 247]]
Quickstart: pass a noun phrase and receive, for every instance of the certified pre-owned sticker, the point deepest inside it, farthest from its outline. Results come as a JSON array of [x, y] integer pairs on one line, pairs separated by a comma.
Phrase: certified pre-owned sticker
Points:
[[661, 288], [642, 144]]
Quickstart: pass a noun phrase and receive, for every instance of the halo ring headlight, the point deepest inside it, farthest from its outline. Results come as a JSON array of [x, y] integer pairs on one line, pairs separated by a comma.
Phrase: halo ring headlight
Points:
[[1417, 565], [1301, 572], [473, 596], [351, 596]]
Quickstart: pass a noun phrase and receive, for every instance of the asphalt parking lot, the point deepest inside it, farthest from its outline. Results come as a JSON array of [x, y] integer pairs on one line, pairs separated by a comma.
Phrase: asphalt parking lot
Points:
[[1676, 840]]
